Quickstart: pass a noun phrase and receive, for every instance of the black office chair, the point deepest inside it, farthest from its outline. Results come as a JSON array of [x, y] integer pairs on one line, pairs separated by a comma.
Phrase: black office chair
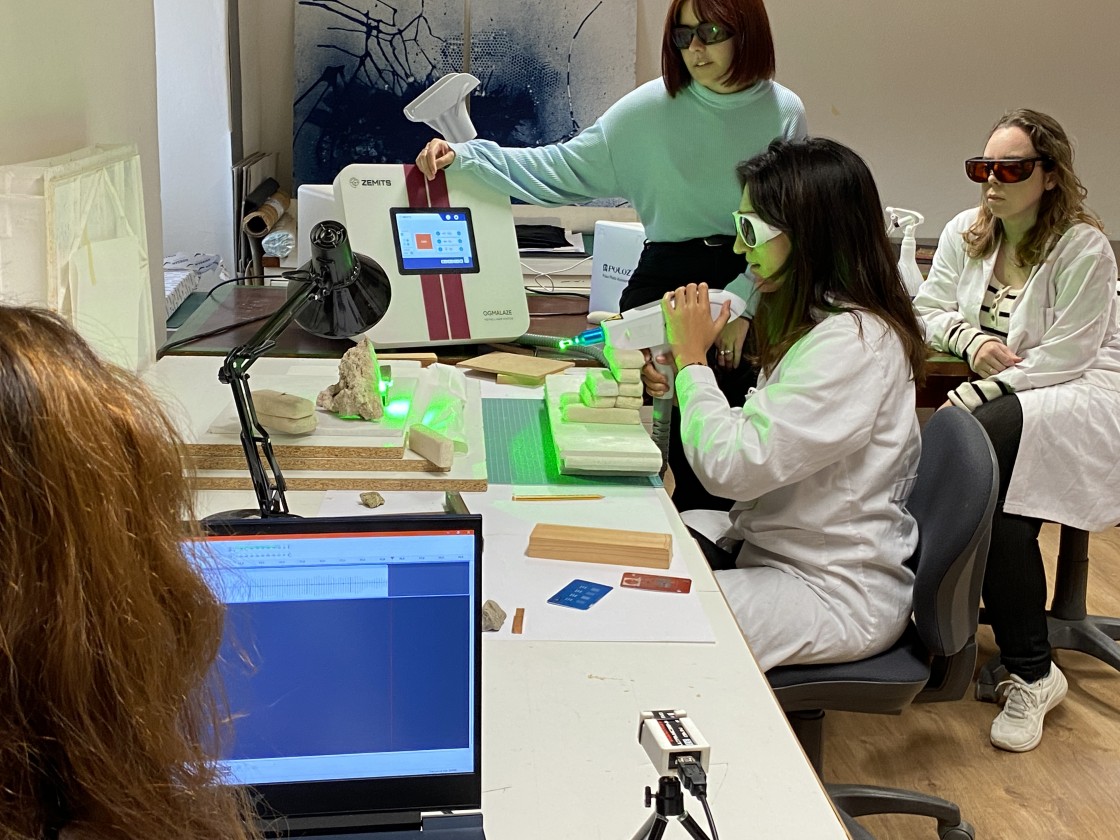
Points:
[[1069, 624], [952, 500]]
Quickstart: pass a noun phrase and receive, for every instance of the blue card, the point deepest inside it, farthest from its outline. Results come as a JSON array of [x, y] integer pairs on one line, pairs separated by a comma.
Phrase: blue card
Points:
[[580, 594]]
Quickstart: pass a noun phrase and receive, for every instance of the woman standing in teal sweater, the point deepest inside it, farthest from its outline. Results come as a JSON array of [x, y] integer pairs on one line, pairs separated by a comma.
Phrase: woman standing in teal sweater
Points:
[[670, 148]]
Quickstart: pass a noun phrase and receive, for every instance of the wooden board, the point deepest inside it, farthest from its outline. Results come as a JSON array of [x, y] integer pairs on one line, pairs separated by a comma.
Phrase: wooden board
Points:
[[601, 545], [334, 435], [189, 389], [524, 367], [339, 463], [297, 480], [596, 448]]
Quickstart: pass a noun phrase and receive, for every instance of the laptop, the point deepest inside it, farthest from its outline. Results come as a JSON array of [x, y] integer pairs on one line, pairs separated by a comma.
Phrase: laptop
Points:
[[351, 663]]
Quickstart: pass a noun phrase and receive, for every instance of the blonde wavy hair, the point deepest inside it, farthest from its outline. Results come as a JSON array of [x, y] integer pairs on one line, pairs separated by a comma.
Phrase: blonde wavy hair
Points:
[[107, 718], [1060, 208]]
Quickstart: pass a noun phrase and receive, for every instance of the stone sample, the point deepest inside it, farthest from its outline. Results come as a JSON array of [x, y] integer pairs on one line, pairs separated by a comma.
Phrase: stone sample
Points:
[[493, 616], [357, 392], [371, 499]]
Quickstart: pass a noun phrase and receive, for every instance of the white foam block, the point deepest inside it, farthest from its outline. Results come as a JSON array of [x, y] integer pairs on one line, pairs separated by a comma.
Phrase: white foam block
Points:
[[624, 359], [601, 383], [430, 444], [576, 413], [628, 402], [589, 399]]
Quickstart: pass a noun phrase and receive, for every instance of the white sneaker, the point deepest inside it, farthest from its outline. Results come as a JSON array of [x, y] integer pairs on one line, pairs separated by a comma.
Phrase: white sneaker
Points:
[[1018, 727]]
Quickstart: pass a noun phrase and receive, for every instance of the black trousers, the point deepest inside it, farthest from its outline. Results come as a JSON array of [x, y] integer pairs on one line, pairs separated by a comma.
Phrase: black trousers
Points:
[[1015, 579], [665, 266]]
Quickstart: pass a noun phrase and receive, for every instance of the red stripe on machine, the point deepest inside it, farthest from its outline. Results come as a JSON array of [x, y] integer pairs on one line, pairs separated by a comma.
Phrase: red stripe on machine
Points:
[[435, 311], [453, 295]]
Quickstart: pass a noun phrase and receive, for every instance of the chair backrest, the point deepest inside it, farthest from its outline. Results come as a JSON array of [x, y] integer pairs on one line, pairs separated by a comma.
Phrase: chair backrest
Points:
[[952, 500]]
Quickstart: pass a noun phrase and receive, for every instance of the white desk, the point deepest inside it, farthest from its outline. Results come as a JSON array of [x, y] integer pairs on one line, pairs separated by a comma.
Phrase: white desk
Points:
[[560, 753]]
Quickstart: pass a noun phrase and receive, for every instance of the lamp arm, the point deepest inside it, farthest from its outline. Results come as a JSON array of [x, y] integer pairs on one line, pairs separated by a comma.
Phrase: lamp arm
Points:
[[254, 437]]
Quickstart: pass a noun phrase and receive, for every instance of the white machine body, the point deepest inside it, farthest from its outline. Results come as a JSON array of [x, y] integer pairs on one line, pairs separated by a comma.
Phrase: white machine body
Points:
[[668, 734], [448, 246], [643, 327]]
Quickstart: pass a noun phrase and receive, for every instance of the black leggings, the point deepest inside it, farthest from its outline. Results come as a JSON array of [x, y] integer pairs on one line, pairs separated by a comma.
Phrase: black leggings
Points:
[[665, 266], [1015, 579]]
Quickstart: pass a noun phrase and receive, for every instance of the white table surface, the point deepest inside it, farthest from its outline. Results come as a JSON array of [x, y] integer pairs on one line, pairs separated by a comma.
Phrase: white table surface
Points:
[[561, 758]]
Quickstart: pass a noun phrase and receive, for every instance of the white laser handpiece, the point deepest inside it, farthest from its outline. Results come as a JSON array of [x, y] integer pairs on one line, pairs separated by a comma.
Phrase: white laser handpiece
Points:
[[667, 736], [643, 327]]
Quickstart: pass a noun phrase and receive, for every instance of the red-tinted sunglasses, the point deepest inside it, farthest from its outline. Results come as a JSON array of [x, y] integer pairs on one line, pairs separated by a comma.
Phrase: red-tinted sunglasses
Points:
[[1007, 171]]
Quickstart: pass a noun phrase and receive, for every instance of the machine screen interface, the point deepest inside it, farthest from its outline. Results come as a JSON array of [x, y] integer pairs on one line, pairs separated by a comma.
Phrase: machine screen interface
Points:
[[432, 240]]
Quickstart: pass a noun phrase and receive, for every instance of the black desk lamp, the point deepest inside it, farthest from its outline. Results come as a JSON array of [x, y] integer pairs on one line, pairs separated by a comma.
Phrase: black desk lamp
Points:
[[336, 294]]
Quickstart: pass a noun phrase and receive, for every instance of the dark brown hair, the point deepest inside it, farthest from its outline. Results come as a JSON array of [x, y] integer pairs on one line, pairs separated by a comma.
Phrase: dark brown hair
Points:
[[1060, 207], [821, 194], [107, 634], [753, 59]]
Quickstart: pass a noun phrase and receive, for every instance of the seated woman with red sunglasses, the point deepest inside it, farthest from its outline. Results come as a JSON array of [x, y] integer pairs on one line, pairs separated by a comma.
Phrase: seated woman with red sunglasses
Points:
[[1024, 289]]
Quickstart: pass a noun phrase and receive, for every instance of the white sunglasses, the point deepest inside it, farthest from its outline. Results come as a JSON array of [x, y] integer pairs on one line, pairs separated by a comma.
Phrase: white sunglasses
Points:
[[752, 230]]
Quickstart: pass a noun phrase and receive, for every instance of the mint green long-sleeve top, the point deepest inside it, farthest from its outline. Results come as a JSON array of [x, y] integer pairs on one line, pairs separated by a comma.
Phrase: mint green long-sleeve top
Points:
[[672, 158]]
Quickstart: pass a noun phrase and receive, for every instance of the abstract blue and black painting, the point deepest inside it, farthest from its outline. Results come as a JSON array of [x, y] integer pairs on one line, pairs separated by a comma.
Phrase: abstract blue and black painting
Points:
[[548, 69]]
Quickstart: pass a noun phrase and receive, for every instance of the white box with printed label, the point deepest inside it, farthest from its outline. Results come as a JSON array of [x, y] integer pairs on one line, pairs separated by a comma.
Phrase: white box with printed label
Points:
[[618, 246]]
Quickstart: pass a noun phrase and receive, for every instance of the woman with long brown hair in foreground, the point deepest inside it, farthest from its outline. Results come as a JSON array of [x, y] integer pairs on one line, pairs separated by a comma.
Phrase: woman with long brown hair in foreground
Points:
[[107, 718]]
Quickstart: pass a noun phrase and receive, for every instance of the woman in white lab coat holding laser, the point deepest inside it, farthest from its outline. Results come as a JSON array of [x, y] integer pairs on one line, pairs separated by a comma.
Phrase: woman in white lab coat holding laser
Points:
[[821, 457]]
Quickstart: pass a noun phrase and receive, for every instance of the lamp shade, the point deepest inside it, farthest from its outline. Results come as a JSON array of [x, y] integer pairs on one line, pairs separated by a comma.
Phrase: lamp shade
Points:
[[351, 291]]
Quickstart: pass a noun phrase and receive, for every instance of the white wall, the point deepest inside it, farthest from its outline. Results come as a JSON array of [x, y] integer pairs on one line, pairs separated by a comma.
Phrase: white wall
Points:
[[76, 74], [192, 67], [915, 87], [912, 86]]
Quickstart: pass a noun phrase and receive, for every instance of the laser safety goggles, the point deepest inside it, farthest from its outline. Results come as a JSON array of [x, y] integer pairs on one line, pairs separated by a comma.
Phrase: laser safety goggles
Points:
[[752, 230], [1008, 171], [708, 33]]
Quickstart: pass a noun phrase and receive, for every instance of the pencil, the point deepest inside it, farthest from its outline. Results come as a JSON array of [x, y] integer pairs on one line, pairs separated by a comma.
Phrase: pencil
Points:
[[559, 497]]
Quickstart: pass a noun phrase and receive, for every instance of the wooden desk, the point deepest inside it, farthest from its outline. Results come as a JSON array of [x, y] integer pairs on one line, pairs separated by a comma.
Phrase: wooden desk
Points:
[[560, 752], [944, 372], [556, 315]]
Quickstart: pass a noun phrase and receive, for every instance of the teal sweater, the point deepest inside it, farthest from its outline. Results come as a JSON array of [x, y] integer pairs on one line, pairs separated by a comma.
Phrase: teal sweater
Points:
[[672, 158]]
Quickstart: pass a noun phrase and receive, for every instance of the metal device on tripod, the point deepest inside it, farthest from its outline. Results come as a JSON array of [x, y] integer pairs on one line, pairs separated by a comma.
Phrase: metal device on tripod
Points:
[[680, 754]]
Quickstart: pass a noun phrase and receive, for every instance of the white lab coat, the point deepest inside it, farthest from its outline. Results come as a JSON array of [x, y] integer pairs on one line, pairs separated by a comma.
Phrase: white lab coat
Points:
[[1065, 328], [820, 461]]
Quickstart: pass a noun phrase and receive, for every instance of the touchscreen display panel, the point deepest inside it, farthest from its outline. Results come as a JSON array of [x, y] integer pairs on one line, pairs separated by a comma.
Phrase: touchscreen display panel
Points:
[[432, 240]]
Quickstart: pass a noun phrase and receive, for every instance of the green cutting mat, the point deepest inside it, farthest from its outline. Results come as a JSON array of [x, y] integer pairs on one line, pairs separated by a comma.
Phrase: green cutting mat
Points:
[[520, 449]]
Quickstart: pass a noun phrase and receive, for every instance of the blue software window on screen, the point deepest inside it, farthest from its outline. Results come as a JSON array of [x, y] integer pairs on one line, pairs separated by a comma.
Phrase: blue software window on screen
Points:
[[434, 240], [347, 656]]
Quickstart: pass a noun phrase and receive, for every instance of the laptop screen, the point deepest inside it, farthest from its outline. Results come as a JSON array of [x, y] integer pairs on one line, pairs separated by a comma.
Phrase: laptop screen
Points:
[[350, 660]]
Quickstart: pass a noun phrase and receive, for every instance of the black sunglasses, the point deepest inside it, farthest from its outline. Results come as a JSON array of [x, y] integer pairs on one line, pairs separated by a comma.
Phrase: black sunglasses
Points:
[[1007, 171], [708, 33]]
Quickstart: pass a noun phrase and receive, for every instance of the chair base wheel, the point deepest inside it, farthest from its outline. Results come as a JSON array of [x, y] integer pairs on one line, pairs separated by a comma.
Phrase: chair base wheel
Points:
[[988, 680], [960, 831]]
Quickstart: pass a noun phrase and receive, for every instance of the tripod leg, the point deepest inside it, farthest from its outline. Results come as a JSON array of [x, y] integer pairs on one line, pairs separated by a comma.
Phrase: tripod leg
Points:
[[692, 827], [653, 829]]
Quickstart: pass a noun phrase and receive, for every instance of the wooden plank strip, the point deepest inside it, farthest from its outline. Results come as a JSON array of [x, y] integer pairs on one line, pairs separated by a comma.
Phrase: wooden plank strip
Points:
[[601, 545], [342, 464], [433, 481], [285, 451]]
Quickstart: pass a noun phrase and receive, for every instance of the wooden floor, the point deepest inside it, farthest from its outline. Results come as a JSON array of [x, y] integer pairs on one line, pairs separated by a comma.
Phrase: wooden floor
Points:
[[1069, 787]]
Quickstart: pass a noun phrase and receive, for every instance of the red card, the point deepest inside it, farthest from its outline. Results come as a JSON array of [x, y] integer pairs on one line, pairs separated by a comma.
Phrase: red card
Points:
[[655, 583]]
